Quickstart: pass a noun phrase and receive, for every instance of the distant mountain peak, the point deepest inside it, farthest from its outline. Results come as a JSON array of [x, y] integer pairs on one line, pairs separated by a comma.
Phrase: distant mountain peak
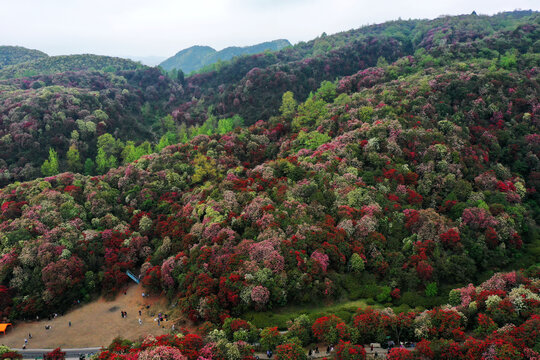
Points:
[[196, 57]]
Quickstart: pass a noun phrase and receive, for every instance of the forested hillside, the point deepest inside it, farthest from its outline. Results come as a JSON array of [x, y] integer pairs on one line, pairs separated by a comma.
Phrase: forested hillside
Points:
[[58, 64], [67, 113], [11, 55], [388, 164], [250, 87]]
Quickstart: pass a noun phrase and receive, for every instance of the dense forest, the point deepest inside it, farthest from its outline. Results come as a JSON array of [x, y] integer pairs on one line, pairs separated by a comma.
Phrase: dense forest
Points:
[[12, 55], [397, 164]]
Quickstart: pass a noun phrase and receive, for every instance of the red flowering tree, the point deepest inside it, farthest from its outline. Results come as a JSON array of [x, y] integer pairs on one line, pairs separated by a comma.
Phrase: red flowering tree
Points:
[[152, 280], [485, 325], [11, 355], [445, 324], [450, 350], [423, 348], [399, 354], [424, 270], [396, 294], [348, 351], [451, 239], [330, 329], [290, 351], [270, 338], [400, 326], [190, 345], [5, 301], [56, 354], [63, 279], [492, 239], [369, 324]]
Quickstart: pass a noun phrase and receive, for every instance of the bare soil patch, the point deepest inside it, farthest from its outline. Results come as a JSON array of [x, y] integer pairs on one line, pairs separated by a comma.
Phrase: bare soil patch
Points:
[[95, 324]]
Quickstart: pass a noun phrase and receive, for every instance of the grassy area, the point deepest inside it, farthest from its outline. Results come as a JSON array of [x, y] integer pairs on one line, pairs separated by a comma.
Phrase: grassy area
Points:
[[344, 310]]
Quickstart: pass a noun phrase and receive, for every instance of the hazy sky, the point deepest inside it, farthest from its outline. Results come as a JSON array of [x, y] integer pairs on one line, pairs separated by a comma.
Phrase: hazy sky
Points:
[[163, 27]]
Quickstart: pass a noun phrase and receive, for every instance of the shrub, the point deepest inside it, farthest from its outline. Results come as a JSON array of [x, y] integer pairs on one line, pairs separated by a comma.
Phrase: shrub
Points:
[[290, 351]]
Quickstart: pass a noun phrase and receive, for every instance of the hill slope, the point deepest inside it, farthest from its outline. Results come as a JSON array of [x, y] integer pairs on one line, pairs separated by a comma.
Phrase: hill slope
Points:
[[252, 86], [247, 89], [197, 57], [12, 55], [412, 175], [58, 64], [72, 110]]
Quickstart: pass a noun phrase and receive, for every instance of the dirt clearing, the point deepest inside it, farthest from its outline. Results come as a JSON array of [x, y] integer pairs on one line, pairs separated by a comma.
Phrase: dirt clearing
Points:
[[95, 324]]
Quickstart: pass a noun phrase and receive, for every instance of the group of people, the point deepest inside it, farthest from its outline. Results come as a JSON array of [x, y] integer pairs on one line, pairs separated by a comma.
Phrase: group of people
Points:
[[124, 314], [313, 352], [26, 340], [160, 318]]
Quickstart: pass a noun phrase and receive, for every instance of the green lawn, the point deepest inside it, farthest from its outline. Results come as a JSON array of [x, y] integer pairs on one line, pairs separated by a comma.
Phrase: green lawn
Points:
[[344, 310]]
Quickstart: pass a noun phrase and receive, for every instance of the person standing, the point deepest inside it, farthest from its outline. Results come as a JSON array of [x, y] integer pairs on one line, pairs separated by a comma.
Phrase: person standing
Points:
[[70, 324], [29, 335], [26, 341], [140, 321]]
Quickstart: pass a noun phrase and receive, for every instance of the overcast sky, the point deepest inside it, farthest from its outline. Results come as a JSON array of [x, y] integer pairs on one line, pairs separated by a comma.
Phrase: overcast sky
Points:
[[163, 27]]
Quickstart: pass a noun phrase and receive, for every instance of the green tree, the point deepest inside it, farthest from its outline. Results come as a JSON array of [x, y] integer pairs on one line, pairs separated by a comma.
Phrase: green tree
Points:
[[288, 106], [431, 289], [109, 144], [310, 114], [144, 149], [356, 263], [227, 125], [167, 124], [74, 159], [327, 91], [163, 143], [50, 166], [183, 133], [128, 154], [89, 167], [180, 77], [102, 161], [313, 139], [204, 168], [112, 162]]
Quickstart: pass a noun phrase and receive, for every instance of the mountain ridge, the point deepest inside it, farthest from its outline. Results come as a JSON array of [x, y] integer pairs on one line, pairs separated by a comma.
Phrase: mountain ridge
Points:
[[196, 57]]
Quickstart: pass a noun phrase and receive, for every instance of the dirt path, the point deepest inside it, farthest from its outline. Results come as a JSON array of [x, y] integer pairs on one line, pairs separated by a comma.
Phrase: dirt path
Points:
[[94, 324]]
